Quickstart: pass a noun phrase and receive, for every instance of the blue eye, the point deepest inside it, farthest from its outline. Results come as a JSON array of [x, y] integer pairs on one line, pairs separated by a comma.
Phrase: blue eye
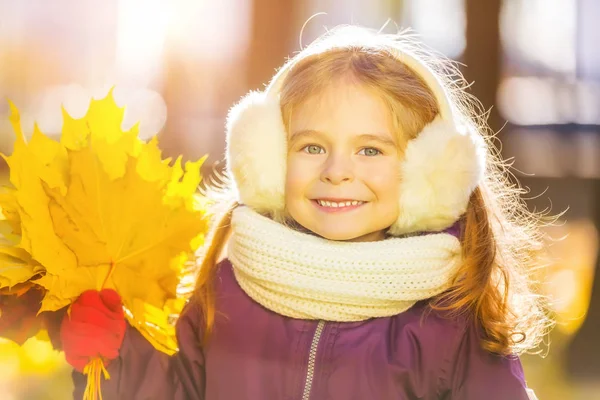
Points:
[[313, 149], [369, 151]]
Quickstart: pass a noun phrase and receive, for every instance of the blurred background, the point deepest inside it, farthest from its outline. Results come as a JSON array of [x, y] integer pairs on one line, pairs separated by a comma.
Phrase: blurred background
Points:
[[179, 65]]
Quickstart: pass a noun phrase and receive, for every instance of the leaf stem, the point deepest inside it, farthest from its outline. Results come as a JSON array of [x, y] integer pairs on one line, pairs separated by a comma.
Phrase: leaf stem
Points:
[[110, 271]]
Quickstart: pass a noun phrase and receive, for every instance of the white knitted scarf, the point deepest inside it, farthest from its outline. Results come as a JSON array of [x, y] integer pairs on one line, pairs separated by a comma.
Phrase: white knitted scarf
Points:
[[304, 276]]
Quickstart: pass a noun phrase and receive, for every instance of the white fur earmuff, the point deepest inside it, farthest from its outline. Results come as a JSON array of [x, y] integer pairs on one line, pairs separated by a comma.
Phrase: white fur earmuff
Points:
[[440, 170], [257, 152], [442, 165]]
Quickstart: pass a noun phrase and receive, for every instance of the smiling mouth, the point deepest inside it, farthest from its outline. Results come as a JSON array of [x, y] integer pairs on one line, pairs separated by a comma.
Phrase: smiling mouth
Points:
[[330, 205]]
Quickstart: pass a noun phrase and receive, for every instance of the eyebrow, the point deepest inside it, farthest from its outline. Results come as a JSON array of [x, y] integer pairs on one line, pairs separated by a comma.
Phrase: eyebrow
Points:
[[384, 140], [304, 134]]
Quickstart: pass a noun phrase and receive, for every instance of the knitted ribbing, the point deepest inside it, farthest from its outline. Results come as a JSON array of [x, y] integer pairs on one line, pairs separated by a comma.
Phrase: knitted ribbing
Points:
[[304, 276]]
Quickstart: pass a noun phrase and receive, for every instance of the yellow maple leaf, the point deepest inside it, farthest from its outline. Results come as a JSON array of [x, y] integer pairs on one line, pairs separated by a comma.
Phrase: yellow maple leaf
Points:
[[16, 265], [10, 222], [31, 170], [102, 209]]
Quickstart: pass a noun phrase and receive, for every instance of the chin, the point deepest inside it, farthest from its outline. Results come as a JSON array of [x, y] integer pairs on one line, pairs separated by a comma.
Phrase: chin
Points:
[[338, 236], [345, 235]]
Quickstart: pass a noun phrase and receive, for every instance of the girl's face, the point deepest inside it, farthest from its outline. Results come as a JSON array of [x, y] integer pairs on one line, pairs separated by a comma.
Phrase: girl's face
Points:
[[343, 179]]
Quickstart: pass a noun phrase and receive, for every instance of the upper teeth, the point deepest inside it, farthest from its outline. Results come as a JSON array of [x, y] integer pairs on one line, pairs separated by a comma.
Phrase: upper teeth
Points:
[[326, 203]]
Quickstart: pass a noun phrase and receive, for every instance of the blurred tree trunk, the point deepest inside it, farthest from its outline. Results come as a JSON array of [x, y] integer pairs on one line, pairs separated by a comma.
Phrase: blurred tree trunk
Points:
[[273, 33], [482, 54], [583, 358]]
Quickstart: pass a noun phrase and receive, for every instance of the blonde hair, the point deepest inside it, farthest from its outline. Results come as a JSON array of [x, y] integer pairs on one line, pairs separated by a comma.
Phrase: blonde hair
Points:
[[501, 239]]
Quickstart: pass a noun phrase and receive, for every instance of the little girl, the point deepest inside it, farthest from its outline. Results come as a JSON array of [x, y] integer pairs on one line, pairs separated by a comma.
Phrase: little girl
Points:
[[375, 250]]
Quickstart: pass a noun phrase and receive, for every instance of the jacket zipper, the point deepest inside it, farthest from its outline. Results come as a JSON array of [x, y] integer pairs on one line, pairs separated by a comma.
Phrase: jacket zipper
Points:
[[312, 356]]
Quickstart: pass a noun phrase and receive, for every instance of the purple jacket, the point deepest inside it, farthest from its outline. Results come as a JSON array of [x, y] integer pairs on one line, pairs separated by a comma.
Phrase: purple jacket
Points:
[[257, 354]]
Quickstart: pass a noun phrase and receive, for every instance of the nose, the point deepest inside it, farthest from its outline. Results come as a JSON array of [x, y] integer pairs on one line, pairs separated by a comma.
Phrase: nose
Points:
[[337, 169]]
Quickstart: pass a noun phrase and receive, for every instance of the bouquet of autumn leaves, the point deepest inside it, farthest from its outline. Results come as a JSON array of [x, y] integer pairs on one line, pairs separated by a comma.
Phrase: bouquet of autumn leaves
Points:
[[99, 209]]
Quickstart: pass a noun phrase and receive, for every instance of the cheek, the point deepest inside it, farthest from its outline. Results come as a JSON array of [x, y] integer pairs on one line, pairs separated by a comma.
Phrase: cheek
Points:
[[384, 180], [298, 177]]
